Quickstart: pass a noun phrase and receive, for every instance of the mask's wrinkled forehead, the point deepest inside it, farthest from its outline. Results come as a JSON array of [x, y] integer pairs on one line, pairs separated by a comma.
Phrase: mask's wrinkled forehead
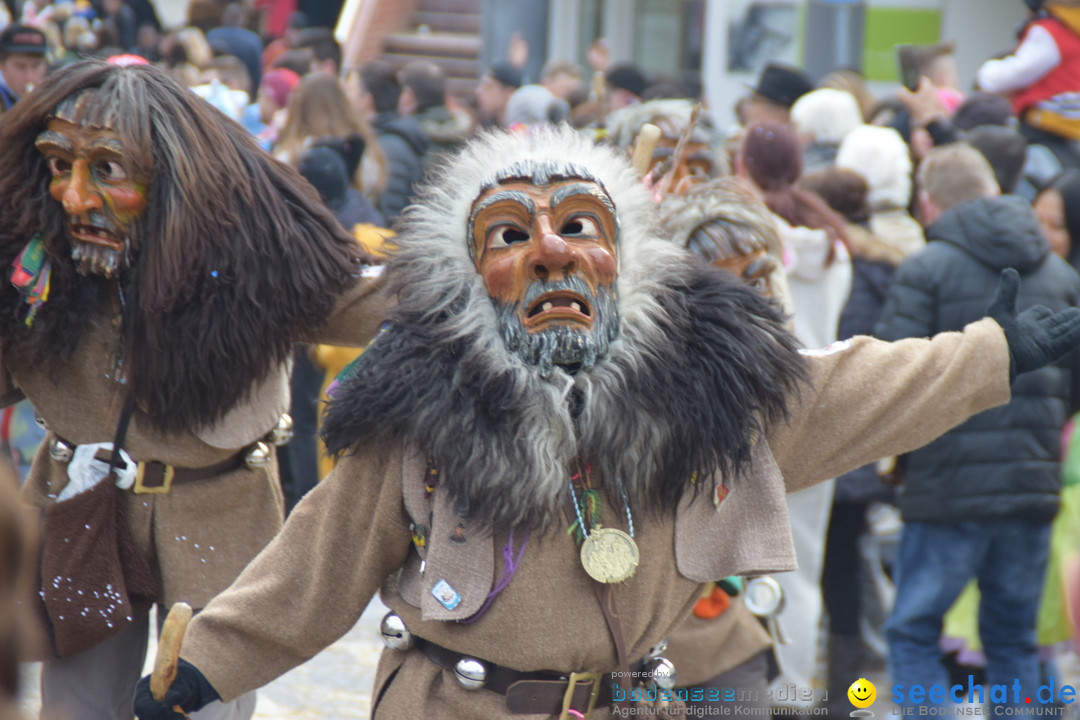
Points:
[[106, 108], [88, 107], [542, 173], [730, 237]]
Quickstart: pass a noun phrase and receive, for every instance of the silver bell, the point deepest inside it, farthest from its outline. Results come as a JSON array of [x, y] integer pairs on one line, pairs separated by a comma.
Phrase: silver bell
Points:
[[470, 673], [259, 455], [394, 633], [283, 431], [764, 597], [61, 451], [657, 650], [40, 421], [661, 671]]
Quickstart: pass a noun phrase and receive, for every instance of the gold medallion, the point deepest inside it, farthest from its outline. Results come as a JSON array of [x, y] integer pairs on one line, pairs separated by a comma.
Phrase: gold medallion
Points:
[[609, 555]]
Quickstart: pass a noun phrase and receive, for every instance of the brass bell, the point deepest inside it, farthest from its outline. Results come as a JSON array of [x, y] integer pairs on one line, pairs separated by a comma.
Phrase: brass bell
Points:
[[259, 455], [283, 431], [661, 671], [394, 633], [470, 673], [61, 451]]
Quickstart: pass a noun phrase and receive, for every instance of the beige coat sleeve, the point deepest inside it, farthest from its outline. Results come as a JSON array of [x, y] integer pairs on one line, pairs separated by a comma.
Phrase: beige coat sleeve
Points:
[[309, 586], [869, 399], [359, 311]]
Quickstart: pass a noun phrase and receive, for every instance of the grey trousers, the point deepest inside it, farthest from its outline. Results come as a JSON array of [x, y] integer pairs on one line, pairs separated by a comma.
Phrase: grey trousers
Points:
[[100, 683]]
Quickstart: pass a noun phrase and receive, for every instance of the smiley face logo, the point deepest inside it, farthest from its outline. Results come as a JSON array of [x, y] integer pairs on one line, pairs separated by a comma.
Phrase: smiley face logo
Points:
[[862, 693]]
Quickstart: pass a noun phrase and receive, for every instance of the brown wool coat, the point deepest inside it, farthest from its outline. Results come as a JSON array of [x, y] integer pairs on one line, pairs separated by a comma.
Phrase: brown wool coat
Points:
[[202, 534], [350, 537]]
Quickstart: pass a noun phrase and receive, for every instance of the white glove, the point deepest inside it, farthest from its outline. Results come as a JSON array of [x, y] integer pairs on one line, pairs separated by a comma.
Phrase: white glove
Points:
[[85, 470]]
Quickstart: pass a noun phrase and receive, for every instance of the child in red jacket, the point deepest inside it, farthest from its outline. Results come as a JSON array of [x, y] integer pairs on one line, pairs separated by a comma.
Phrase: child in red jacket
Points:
[[1042, 75]]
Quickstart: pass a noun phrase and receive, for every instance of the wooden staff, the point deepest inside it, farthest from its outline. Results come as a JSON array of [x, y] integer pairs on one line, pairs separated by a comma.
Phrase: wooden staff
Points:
[[599, 91], [168, 651], [644, 146], [680, 150]]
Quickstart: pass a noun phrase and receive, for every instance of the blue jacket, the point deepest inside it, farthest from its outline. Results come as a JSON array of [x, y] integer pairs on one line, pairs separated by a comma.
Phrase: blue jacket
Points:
[[7, 98], [1002, 462]]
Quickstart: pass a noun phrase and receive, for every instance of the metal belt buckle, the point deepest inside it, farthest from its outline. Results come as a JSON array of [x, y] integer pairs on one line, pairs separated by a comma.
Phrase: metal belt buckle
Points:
[[568, 696], [166, 482]]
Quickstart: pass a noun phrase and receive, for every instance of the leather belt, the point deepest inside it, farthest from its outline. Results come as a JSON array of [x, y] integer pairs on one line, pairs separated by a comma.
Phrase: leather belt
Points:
[[156, 477], [152, 476], [538, 692]]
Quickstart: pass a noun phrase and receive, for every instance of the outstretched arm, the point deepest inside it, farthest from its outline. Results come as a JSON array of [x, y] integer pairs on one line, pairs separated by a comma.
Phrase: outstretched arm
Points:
[[869, 399], [306, 589], [359, 311]]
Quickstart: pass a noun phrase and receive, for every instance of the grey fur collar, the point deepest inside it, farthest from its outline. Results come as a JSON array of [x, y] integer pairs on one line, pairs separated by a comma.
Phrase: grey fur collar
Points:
[[701, 367]]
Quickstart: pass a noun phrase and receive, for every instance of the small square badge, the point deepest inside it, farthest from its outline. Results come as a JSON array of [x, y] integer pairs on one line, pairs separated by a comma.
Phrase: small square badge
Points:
[[446, 595]]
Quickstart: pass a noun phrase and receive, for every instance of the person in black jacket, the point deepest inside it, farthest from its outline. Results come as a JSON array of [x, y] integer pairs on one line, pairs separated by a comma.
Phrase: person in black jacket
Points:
[[401, 138], [978, 501]]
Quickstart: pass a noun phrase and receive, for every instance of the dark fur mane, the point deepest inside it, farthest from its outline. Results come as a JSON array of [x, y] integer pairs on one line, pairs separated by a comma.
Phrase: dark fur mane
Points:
[[691, 397], [234, 259]]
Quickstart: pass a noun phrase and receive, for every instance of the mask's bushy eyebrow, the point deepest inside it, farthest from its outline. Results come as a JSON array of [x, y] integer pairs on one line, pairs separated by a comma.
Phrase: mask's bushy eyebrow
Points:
[[50, 137], [517, 196], [522, 198], [111, 144], [582, 188]]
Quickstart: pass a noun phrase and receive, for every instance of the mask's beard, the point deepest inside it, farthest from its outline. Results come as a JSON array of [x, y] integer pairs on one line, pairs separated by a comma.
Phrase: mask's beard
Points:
[[568, 346], [91, 259]]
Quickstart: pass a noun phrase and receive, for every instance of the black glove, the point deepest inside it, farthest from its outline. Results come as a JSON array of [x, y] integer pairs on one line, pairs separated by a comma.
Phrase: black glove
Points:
[[190, 690], [1038, 335]]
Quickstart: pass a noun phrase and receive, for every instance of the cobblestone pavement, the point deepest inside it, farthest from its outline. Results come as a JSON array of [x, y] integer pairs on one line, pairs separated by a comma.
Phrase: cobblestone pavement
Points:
[[333, 685]]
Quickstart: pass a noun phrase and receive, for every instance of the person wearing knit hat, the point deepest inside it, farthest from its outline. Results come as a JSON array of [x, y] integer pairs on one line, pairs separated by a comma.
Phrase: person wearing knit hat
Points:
[[279, 85], [823, 118], [882, 157], [325, 167], [272, 99]]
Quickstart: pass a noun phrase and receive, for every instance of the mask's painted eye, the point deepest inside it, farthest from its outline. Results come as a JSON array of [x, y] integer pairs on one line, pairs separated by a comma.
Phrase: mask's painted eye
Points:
[[58, 166], [505, 236], [110, 171], [579, 225]]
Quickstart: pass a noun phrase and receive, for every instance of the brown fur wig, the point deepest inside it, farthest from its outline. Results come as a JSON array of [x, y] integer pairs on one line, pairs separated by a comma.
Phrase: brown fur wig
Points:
[[233, 260]]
